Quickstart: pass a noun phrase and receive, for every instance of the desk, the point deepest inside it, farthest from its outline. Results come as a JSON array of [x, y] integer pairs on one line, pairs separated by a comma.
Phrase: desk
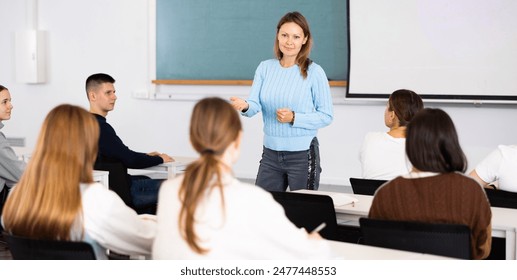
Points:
[[166, 170], [352, 251], [101, 177], [98, 175], [504, 221]]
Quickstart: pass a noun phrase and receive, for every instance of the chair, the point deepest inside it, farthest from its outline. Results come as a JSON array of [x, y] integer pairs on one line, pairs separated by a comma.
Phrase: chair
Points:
[[438, 239], [499, 198], [503, 199], [120, 183], [23, 248], [3, 198], [309, 211], [365, 186]]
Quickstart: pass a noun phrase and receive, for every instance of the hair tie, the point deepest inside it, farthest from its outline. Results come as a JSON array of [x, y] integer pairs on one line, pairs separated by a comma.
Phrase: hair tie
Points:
[[207, 151]]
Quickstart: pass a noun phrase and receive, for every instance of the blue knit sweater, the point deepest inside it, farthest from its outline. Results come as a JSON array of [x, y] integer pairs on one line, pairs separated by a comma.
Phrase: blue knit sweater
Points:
[[276, 87]]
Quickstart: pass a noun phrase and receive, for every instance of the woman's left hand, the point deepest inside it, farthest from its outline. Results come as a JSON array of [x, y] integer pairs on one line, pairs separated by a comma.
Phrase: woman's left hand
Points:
[[284, 115]]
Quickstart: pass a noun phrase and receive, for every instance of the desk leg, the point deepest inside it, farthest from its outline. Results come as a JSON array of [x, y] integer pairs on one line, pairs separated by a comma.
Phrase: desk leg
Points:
[[511, 245], [106, 181], [175, 171]]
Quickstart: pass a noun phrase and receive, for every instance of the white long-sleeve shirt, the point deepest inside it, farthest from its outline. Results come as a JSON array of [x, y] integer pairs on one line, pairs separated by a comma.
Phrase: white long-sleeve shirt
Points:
[[501, 166], [251, 225], [383, 157], [110, 224]]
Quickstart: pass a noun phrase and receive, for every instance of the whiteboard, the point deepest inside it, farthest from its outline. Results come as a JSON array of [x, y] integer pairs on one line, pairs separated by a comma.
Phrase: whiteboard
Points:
[[441, 49]]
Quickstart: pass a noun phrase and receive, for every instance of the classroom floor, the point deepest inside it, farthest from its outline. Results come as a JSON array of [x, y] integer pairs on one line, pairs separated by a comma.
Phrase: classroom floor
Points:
[[6, 255]]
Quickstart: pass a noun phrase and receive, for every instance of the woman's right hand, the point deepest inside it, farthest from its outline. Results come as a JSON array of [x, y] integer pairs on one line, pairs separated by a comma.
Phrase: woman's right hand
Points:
[[239, 104]]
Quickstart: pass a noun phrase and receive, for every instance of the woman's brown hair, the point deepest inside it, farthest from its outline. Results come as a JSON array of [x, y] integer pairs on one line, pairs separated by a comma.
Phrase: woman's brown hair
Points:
[[302, 60], [46, 202], [432, 143], [405, 103], [214, 125]]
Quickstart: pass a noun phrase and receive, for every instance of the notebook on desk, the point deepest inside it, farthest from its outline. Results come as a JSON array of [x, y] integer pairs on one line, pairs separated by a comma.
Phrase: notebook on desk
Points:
[[339, 199]]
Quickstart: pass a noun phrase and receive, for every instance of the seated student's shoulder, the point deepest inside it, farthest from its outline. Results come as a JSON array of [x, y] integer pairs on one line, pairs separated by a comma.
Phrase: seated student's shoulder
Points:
[[246, 191], [374, 135], [509, 151], [397, 184], [467, 182], [98, 198], [171, 185], [95, 189], [462, 178]]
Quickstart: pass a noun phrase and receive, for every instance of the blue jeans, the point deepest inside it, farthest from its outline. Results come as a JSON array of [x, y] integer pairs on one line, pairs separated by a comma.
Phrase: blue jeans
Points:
[[144, 191], [296, 170]]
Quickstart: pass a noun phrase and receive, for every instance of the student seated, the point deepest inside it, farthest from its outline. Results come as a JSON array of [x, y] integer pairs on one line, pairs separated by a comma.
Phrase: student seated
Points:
[[207, 213], [100, 90], [498, 168], [11, 168], [56, 197], [436, 191], [382, 154]]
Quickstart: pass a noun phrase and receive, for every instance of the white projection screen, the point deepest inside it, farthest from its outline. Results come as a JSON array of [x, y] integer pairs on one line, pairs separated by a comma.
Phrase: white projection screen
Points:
[[441, 49]]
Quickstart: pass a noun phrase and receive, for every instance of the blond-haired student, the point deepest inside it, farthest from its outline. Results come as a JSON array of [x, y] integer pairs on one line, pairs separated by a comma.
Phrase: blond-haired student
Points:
[[57, 198]]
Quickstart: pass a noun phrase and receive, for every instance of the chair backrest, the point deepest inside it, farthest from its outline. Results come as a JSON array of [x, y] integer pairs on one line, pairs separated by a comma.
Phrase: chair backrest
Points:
[[3, 197], [119, 181], [309, 211], [438, 239], [23, 248], [365, 186], [499, 198]]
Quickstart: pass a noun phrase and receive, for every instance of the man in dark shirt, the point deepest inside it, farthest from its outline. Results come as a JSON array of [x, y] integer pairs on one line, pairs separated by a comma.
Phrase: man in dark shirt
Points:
[[100, 90]]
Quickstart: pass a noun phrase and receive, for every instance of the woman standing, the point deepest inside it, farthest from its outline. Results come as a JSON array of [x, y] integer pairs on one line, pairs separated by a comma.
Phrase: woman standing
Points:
[[293, 94]]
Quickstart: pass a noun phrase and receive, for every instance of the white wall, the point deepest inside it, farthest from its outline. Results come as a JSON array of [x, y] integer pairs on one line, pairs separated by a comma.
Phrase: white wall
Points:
[[111, 36]]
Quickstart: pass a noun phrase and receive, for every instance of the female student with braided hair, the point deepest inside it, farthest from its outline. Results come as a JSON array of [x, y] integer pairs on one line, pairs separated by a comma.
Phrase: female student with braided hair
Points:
[[208, 214]]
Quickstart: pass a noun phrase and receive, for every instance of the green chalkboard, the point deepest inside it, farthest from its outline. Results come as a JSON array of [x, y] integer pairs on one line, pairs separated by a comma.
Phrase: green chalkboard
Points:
[[227, 39]]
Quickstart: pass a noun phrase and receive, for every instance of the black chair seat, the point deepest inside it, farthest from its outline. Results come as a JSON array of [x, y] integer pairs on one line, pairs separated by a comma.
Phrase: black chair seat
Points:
[[23, 248], [499, 198], [309, 211], [365, 186]]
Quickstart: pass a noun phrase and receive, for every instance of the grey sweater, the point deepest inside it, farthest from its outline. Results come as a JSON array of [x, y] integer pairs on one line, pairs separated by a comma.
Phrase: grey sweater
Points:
[[11, 168]]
